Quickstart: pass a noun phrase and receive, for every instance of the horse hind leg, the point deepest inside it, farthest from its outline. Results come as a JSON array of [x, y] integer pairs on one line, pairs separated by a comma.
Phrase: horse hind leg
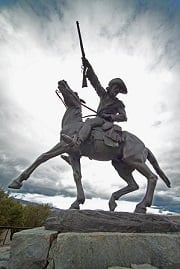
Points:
[[152, 180], [125, 172]]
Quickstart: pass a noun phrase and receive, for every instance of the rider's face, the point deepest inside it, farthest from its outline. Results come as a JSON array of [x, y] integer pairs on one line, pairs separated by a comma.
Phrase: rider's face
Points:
[[114, 90]]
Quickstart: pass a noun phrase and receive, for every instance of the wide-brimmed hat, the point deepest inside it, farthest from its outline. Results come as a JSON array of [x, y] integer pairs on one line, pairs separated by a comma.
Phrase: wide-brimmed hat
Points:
[[120, 82]]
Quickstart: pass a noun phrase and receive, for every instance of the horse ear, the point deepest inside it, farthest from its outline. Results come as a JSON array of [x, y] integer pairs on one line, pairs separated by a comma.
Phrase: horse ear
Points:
[[82, 101]]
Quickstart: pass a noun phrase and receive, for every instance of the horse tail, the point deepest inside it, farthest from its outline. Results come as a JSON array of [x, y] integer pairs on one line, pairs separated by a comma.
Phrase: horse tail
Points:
[[151, 158]]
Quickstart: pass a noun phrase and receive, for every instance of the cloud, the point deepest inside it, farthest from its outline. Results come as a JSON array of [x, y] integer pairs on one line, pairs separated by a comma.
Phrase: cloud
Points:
[[18, 137], [167, 203], [137, 40]]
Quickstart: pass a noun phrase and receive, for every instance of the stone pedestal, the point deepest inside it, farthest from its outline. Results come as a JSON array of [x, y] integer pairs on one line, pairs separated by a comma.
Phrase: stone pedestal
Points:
[[40, 249], [106, 221], [100, 240]]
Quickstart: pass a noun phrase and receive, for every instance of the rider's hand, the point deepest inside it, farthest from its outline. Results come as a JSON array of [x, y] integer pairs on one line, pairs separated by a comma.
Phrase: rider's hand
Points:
[[85, 62], [108, 117]]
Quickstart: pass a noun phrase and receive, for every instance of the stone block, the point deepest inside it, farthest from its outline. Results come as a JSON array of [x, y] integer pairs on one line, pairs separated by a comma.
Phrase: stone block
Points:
[[30, 248], [103, 250], [118, 267], [142, 266]]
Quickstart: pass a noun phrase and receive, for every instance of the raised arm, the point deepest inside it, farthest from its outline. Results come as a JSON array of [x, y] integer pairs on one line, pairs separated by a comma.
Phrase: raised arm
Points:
[[92, 77]]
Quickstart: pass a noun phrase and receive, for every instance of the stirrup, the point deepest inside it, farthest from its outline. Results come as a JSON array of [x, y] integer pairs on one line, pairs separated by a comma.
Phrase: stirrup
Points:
[[76, 142]]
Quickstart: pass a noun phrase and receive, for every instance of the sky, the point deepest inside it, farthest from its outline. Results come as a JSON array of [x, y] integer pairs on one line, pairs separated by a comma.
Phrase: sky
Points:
[[137, 40]]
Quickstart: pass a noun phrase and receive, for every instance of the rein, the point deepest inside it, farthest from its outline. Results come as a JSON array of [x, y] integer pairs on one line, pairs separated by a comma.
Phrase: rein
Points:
[[89, 116], [57, 92], [81, 102]]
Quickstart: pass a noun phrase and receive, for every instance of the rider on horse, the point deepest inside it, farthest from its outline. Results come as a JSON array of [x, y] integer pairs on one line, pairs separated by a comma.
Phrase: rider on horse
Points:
[[110, 108]]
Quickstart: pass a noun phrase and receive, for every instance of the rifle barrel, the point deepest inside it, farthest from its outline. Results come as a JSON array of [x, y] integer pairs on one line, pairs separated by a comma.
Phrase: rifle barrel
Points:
[[80, 40]]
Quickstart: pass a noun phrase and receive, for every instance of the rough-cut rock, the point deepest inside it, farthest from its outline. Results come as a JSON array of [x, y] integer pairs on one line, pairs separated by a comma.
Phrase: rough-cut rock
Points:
[[30, 248], [135, 266], [105, 221], [4, 256], [102, 250], [142, 266], [118, 267]]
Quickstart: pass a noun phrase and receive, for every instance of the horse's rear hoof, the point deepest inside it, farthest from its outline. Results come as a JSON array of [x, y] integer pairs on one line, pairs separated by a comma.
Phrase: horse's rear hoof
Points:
[[141, 210], [15, 185], [75, 205]]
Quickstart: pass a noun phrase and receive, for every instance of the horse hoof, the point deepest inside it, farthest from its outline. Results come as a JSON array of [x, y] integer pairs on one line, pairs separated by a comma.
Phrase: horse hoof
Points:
[[141, 210], [15, 184], [112, 205], [75, 205]]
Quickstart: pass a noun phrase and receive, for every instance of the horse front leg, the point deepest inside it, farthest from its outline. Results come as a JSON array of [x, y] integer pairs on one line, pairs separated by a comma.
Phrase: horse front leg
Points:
[[76, 167], [55, 151]]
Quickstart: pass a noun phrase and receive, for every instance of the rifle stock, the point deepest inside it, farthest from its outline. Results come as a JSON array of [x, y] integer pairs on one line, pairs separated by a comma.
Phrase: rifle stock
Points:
[[84, 81]]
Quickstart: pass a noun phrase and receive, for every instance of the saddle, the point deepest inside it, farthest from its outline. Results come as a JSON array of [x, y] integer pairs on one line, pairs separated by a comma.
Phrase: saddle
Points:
[[110, 133]]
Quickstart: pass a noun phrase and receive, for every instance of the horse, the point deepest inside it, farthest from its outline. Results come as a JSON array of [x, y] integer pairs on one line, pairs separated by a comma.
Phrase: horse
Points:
[[128, 155]]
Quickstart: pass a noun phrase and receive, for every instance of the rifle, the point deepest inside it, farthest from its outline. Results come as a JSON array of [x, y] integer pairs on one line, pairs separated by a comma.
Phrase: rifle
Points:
[[84, 82]]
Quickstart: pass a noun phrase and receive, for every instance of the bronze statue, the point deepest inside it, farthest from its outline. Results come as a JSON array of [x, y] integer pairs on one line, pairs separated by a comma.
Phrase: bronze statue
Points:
[[127, 154], [99, 139]]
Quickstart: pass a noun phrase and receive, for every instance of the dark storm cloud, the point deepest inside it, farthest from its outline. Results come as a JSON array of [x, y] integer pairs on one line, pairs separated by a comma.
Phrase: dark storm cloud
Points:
[[9, 167], [171, 165], [47, 190], [93, 192], [167, 203], [15, 155], [9, 140]]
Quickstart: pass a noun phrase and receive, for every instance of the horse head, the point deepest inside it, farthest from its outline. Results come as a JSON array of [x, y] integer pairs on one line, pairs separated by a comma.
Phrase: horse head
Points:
[[71, 98], [72, 102]]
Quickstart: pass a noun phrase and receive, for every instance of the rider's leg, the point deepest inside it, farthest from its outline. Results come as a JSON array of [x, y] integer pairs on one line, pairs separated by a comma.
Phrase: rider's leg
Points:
[[87, 127]]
